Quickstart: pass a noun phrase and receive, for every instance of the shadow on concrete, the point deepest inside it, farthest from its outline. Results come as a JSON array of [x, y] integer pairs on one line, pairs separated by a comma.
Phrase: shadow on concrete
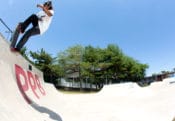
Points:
[[45, 110]]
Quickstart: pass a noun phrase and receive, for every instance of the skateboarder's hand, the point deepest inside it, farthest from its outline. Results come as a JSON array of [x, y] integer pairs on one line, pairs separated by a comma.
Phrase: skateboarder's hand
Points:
[[45, 9], [39, 6]]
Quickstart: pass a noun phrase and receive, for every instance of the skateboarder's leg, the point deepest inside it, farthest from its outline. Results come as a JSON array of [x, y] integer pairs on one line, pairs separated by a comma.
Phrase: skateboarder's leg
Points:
[[31, 32], [31, 19]]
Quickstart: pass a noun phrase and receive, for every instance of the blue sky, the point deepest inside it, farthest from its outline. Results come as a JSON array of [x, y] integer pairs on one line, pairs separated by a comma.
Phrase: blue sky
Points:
[[143, 29]]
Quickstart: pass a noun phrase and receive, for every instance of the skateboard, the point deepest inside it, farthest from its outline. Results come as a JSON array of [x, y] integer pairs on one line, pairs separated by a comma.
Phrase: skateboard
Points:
[[14, 38]]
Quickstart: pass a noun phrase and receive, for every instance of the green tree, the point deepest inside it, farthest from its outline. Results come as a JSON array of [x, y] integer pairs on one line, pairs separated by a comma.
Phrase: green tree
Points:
[[101, 65], [91, 58], [71, 60], [46, 64]]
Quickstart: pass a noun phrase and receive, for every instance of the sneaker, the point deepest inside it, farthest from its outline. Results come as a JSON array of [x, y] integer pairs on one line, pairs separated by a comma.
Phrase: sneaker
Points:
[[14, 49]]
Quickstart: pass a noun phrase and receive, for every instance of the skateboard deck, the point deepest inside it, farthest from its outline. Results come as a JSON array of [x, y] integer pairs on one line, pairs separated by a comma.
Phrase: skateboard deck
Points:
[[14, 37]]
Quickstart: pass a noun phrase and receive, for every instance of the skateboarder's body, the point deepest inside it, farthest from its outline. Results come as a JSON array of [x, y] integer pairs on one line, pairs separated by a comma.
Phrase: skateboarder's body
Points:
[[40, 22]]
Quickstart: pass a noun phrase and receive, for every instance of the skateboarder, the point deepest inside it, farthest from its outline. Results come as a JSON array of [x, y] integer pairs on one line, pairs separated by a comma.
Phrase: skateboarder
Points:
[[40, 22]]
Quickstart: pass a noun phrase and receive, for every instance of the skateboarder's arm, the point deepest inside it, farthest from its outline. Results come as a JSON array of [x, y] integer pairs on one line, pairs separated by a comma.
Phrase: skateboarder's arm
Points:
[[45, 9]]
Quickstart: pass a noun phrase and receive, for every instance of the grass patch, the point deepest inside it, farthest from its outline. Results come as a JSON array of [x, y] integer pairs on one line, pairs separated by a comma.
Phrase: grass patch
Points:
[[76, 92]]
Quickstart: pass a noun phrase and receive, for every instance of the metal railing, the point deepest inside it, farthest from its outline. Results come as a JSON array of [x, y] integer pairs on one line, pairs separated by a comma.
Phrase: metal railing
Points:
[[6, 26], [9, 30]]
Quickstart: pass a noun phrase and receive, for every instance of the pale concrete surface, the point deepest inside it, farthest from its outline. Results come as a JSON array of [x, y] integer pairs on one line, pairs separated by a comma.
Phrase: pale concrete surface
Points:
[[121, 102]]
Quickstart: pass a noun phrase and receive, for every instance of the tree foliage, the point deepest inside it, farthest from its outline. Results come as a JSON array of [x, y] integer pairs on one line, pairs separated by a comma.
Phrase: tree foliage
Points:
[[46, 64], [99, 65], [93, 64]]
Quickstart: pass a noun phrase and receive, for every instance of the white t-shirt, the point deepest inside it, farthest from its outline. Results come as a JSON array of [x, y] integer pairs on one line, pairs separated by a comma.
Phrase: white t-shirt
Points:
[[44, 20]]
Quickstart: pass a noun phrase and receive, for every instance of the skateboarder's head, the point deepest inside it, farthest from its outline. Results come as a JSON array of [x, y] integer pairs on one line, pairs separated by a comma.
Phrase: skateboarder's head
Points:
[[48, 4]]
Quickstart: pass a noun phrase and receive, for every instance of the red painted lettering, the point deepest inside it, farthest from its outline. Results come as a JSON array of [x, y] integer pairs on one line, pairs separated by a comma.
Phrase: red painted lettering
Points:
[[39, 85], [27, 80], [22, 87], [32, 83]]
